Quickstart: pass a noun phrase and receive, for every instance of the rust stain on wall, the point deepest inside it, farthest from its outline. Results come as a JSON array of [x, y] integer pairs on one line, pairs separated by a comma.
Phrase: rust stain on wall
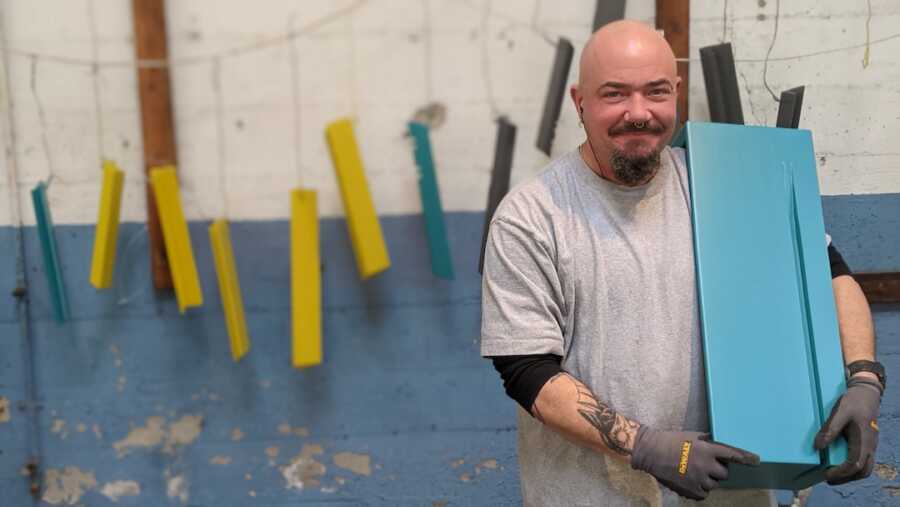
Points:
[[4, 410]]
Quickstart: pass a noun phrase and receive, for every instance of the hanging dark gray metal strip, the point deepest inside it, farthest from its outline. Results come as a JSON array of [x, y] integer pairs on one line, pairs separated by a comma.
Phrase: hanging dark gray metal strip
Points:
[[789, 106], [555, 92], [720, 77], [730, 90], [608, 11], [500, 175], [711, 78]]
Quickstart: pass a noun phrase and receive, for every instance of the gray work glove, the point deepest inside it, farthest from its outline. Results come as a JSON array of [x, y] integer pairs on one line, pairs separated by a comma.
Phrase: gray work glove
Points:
[[855, 416], [687, 462]]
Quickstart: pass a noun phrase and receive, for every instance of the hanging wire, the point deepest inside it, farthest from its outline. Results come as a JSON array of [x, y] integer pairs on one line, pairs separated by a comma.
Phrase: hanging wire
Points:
[[42, 121], [220, 132], [769, 52], [156, 63], [293, 60], [95, 71]]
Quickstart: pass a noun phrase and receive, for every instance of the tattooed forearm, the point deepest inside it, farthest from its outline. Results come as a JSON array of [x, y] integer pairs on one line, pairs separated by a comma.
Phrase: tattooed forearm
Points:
[[615, 430]]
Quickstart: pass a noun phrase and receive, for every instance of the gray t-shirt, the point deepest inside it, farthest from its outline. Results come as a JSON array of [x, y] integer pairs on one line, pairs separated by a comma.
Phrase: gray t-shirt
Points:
[[602, 275]]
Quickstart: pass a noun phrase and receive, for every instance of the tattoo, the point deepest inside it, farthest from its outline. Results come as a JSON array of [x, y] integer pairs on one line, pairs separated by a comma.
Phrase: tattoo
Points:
[[615, 430]]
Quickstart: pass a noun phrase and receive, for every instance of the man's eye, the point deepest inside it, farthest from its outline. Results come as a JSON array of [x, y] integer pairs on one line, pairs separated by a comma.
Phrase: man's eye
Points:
[[612, 95], [658, 92]]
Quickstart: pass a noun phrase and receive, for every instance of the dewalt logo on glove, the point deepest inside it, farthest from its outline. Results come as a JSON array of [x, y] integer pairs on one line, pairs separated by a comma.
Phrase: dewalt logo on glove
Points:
[[685, 453]]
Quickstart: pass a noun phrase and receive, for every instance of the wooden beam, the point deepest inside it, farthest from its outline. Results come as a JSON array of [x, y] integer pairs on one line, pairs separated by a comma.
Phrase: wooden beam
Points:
[[673, 17], [157, 124], [880, 287]]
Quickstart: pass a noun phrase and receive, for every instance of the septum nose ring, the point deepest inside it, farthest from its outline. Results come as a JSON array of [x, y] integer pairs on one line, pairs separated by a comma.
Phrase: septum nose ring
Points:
[[639, 124]]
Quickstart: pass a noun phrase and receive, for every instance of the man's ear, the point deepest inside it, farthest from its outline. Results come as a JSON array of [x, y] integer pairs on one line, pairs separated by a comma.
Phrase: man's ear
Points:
[[576, 100]]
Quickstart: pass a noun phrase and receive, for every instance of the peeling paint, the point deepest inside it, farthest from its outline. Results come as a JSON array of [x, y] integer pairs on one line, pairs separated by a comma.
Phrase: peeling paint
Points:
[[183, 431], [116, 490], [490, 464], [252, 493], [220, 460], [433, 114], [885, 472], [81, 428], [96, 429], [457, 463], [272, 453], [465, 477], [177, 487], [304, 471], [120, 383], [285, 429], [237, 435], [340, 481], [356, 463], [442, 503], [147, 436], [59, 428], [249, 477], [4, 409], [66, 487], [892, 490]]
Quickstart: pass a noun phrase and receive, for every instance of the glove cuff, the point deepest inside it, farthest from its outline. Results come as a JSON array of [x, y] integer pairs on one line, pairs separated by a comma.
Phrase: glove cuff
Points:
[[642, 442], [863, 381]]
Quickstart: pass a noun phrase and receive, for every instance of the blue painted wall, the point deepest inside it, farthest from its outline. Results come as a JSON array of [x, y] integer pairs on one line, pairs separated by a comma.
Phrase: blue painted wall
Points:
[[402, 382]]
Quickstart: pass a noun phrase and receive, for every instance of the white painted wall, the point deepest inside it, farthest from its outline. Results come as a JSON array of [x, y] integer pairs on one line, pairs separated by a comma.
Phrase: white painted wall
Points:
[[379, 61]]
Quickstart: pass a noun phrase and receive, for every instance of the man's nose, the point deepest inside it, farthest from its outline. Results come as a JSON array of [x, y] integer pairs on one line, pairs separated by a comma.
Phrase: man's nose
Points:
[[637, 110]]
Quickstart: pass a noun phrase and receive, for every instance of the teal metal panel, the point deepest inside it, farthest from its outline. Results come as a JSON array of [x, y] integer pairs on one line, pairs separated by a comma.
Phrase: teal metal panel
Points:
[[51, 258], [771, 343], [441, 262]]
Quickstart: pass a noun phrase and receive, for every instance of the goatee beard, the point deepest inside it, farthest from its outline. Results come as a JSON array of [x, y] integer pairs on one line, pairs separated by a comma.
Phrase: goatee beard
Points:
[[631, 169]]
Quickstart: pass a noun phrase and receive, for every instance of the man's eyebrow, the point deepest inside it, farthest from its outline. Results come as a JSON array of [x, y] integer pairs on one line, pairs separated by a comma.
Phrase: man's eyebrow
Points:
[[618, 85]]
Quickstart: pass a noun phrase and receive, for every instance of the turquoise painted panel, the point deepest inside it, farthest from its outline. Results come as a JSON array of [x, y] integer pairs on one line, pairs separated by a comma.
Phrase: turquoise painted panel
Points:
[[51, 257], [771, 342], [441, 262]]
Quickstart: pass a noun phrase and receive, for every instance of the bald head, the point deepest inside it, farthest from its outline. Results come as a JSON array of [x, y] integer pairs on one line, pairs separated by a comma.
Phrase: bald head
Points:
[[624, 44], [626, 99]]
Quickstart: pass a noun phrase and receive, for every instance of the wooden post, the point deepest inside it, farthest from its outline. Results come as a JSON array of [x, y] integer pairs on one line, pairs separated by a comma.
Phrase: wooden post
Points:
[[674, 18], [157, 123]]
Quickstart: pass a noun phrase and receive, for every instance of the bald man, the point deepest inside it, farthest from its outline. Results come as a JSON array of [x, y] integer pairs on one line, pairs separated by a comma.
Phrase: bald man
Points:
[[589, 305]]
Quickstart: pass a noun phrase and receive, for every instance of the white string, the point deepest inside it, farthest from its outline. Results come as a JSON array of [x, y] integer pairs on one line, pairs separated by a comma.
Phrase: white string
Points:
[[295, 102], [156, 63], [220, 133]]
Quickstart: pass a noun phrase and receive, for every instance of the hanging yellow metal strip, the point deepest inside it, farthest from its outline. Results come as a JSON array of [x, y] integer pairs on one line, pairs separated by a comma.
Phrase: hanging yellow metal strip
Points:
[[107, 231], [177, 239], [229, 288], [365, 230], [306, 280]]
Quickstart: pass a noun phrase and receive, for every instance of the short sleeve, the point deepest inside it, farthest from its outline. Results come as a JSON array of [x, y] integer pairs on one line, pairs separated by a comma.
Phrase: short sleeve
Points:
[[522, 309]]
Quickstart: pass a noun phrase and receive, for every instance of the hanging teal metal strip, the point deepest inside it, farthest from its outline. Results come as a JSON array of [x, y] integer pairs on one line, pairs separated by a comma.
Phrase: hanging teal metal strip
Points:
[[441, 262], [51, 259]]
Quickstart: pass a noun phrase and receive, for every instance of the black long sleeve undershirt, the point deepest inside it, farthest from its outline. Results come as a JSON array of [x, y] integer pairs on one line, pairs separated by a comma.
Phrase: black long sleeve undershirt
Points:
[[524, 376]]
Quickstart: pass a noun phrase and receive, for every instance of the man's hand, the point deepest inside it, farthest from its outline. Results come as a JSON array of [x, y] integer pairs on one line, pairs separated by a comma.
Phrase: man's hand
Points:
[[687, 462], [855, 416]]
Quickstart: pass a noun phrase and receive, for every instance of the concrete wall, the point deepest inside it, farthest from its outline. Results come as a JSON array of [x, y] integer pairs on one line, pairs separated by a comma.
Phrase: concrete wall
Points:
[[403, 412]]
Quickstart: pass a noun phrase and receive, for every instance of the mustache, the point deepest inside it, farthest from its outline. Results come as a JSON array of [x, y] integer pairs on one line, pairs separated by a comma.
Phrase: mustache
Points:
[[651, 127]]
